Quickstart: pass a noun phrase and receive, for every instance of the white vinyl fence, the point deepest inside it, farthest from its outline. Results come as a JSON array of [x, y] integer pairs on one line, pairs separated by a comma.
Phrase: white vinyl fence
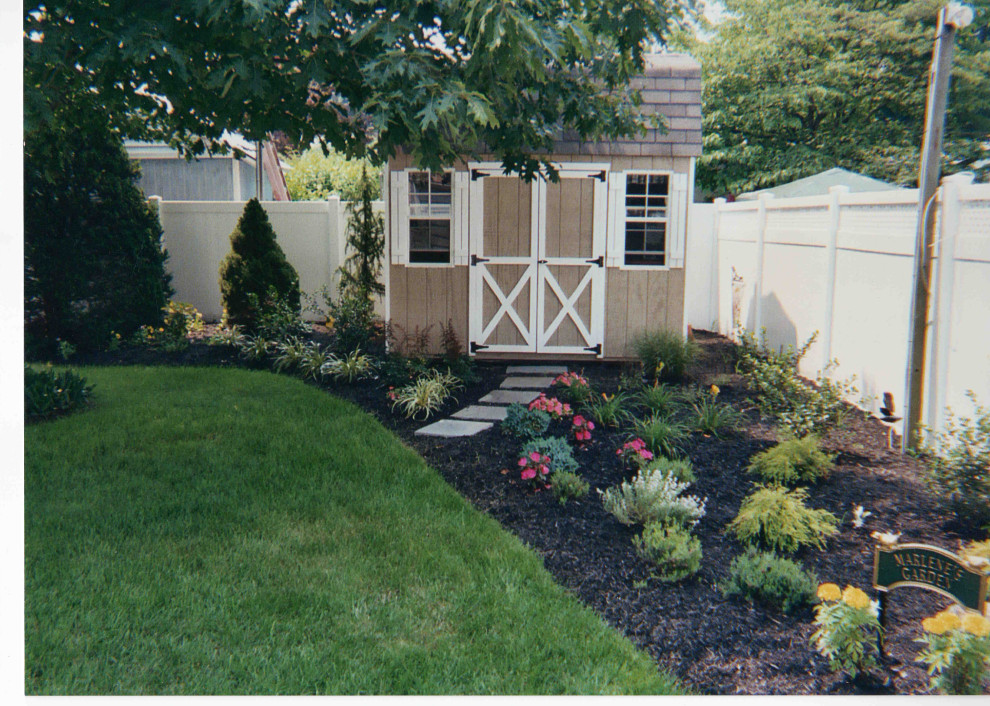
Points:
[[197, 236], [841, 265]]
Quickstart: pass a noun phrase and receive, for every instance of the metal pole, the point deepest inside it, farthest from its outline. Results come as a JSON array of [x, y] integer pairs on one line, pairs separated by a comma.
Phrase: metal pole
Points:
[[949, 19], [259, 180]]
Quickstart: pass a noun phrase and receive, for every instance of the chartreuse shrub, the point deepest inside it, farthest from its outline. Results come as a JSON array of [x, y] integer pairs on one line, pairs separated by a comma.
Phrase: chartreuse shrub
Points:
[[524, 423], [957, 651], [568, 486], [49, 392], [671, 547], [665, 354], [792, 461], [255, 267], [778, 518], [958, 461], [766, 577], [847, 629], [653, 496], [560, 452], [93, 259], [223, 531]]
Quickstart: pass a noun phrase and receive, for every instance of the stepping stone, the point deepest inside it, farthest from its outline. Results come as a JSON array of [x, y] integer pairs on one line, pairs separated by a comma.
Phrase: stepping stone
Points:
[[527, 383], [536, 370], [453, 427], [509, 397], [490, 413]]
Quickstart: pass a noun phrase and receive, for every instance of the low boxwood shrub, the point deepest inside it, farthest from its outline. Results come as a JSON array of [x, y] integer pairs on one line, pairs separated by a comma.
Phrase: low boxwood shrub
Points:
[[560, 453], [793, 461], [766, 577], [568, 486], [49, 392], [671, 548], [779, 519], [653, 496], [525, 423]]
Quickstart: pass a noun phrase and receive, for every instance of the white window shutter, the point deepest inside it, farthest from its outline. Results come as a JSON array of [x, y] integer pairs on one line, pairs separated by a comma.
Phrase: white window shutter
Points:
[[677, 222], [614, 244], [399, 200], [459, 218]]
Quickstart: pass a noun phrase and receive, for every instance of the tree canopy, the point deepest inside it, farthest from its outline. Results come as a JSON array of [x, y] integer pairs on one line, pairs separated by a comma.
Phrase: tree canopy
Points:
[[438, 78], [793, 87]]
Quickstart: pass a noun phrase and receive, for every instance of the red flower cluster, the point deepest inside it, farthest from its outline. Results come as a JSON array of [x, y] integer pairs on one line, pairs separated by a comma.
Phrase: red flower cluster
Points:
[[635, 452], [568, 379], [582, 429], [552, 406], [535, 468]]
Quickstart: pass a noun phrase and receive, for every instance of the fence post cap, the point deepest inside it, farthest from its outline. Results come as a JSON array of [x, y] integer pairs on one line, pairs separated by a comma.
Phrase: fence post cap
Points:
[[961, 178]]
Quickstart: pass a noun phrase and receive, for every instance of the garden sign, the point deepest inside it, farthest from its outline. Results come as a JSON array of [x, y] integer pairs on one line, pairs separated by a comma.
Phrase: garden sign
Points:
[[931, 568]]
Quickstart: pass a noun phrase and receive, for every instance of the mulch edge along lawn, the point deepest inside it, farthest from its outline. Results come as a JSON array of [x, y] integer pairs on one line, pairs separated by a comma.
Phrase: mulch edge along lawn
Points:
[[209, 531]]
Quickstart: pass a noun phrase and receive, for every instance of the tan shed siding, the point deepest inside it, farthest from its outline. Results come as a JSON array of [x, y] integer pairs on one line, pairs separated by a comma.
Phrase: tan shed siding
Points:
[[636, 300], [426, 298]]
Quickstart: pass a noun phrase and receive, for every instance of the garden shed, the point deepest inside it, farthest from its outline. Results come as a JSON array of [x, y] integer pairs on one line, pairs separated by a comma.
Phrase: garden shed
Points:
[[541, 269]]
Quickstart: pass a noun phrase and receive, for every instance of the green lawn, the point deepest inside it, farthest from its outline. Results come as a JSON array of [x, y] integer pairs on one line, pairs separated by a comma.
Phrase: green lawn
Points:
[[205, 531]]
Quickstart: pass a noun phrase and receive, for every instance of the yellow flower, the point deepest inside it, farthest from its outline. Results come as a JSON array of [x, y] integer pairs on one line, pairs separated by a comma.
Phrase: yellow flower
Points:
[[855, 597], [714, 390], [829, 592], [976, 624], [935, 625], [950, 620]]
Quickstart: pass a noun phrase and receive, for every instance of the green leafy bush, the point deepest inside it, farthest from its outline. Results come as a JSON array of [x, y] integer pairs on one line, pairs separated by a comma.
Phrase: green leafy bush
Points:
[[779, 519], [313, 176], [93, 258], [351, 317], [426, 394], [254, 266], [680, 468], [525, 423], [663, 435], [254, 349], [573, 388], [959, 465], [607, 410], [288, 355], [675, 552], [766, 577], [792, 461], [847, 629], [658, 398], [49, 392], [781, 393], [664, 354], [560, 452], [278, 320], [568, 486], [653, 496]]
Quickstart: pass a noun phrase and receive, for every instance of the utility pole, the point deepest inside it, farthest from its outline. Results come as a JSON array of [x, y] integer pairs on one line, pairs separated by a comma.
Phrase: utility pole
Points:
[[950, 18]]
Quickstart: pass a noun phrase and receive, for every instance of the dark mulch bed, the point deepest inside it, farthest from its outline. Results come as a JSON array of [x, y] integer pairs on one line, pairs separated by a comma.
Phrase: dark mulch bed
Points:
[[715, 645]]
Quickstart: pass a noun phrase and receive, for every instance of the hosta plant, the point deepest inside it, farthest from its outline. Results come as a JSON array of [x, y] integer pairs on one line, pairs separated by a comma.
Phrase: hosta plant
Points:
[[957, 651], [653, 496], [671, 548], [779, 519], [848, 628]]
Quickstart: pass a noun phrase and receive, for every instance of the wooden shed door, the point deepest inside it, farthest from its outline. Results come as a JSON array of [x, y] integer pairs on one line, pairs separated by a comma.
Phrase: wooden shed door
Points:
[[537, 277]]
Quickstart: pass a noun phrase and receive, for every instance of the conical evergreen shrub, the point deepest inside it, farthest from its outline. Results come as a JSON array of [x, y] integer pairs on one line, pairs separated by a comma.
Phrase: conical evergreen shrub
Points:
[[93, 258], [255, 266]]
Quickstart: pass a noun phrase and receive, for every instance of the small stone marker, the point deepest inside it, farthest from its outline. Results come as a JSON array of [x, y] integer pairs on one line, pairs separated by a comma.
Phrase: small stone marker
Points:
[[487, 412], [509, 397], [930, 568], [527, 383], [536, 370], [453, 427]]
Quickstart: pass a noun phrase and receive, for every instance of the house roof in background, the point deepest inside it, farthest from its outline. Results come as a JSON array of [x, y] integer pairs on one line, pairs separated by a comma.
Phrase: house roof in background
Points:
[[818, 184], [160, 150], [671, 87]]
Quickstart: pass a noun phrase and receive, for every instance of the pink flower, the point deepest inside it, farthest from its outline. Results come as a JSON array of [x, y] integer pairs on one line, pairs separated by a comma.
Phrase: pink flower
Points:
[[646, 455], [522, 462], [528, 473], [591, 426], [534, 456], [544, 470], [578, 420]]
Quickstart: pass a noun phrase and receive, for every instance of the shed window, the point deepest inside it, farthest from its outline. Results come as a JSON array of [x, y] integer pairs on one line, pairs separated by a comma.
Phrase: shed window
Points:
[[646, 218], [429, 217]]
